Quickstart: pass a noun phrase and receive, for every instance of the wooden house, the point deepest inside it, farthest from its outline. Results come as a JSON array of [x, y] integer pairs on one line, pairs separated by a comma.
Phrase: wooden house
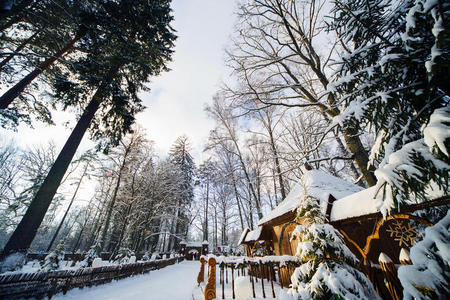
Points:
[[354, 212]]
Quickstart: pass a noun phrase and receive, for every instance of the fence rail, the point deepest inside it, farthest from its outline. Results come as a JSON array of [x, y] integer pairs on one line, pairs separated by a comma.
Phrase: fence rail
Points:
[[49, 283]]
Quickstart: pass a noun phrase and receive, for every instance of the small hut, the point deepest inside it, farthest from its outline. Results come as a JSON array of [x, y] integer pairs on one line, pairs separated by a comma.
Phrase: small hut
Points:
[[280, 222], [193, 250]]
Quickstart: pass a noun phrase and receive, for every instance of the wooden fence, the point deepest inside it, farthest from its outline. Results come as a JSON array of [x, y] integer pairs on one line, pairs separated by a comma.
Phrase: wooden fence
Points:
[[264, 271], [46, 284]]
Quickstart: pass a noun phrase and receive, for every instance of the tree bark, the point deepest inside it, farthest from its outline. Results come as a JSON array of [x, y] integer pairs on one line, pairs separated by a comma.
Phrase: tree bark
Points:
[[26, 230], [19, 48], [7, 98]]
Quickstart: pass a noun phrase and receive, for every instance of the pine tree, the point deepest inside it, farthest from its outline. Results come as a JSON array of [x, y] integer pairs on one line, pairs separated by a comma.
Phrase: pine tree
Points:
[[92, 254], [328, 266], [53, 259], [109, 78], [429, 275], [183, 161], [395, 81]]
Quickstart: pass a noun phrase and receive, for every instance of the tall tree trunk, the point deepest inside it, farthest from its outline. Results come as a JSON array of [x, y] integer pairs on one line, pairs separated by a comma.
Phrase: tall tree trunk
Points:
[[26, 230], [19, 48], [361, 158], [68, 208], [18, 88]]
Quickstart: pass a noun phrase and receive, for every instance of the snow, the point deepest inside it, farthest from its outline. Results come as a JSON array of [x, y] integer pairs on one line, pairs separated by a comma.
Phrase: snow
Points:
[[357, 204], [368, 201], [156, 285], [309, 235], [253, 235], [341, 279], [97, 262], [404, 255], [194, 244], [242, 289], [242, 237], [383, 258], [436, 131], [317, 184]]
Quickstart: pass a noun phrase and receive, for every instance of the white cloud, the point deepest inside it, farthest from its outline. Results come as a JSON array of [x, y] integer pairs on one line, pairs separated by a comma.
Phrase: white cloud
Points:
[[175, 105]]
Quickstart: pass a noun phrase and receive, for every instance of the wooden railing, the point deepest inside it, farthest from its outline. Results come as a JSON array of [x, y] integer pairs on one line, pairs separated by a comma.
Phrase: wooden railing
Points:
[[261, 270], [49, 283], [270, 269]]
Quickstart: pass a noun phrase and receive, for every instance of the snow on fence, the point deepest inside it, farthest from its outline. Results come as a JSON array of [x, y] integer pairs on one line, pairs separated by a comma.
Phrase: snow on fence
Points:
[[49, 283], [265, 269]]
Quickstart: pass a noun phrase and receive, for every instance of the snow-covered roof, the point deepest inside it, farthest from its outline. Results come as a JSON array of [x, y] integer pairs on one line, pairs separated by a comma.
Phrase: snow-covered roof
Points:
[[317, 184], [243, 234], [253, 235], [194, 244], [357, 204], [368, 202]]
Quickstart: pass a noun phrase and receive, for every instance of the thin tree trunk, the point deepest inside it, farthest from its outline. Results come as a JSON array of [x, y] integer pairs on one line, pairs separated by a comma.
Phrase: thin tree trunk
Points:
[[277, 163], [7, 98], [205, 226], [238, 202], [26, 230], [113, 199], [68, 208], [80, 234]]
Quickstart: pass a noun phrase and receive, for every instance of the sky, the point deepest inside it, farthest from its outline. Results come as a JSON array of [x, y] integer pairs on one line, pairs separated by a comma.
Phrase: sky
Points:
[[177, 98], [176, 102]]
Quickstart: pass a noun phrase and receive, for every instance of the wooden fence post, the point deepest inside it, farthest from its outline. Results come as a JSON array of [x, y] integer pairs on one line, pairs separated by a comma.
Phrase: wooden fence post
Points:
[[271, 273], [201, 274], [261, 270], [390, 274], [222, 271], [404, 257], [253, 282], [232, 280], [210, 288]]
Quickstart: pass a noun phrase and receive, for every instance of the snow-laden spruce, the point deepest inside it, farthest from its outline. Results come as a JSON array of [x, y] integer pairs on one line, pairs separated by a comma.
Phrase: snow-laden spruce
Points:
[[52, 260], [429, 275], [328, 266], [394, 80]]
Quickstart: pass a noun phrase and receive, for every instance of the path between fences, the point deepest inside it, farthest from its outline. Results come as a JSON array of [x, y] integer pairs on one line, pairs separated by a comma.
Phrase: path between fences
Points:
[[47, 284]]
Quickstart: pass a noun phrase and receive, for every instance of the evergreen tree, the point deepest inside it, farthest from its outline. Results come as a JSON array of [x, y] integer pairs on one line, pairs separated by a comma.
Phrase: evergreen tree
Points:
[[429, 275], [395, 80], [183, 161], [52, 260], [92, 254], [109, 77], [328, 266]]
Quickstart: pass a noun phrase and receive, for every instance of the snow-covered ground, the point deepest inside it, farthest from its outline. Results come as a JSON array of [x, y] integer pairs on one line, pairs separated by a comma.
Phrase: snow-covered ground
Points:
[[175, 282]]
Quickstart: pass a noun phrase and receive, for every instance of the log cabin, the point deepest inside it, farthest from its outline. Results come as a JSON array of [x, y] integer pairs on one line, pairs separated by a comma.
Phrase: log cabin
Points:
[[355, 212]]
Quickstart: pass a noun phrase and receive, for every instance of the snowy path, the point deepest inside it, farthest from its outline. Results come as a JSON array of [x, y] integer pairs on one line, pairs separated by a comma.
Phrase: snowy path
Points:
[[174, 282]]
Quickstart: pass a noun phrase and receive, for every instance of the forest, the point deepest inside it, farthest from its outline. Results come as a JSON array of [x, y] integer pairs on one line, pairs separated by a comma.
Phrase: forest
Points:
[[358, 89]]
